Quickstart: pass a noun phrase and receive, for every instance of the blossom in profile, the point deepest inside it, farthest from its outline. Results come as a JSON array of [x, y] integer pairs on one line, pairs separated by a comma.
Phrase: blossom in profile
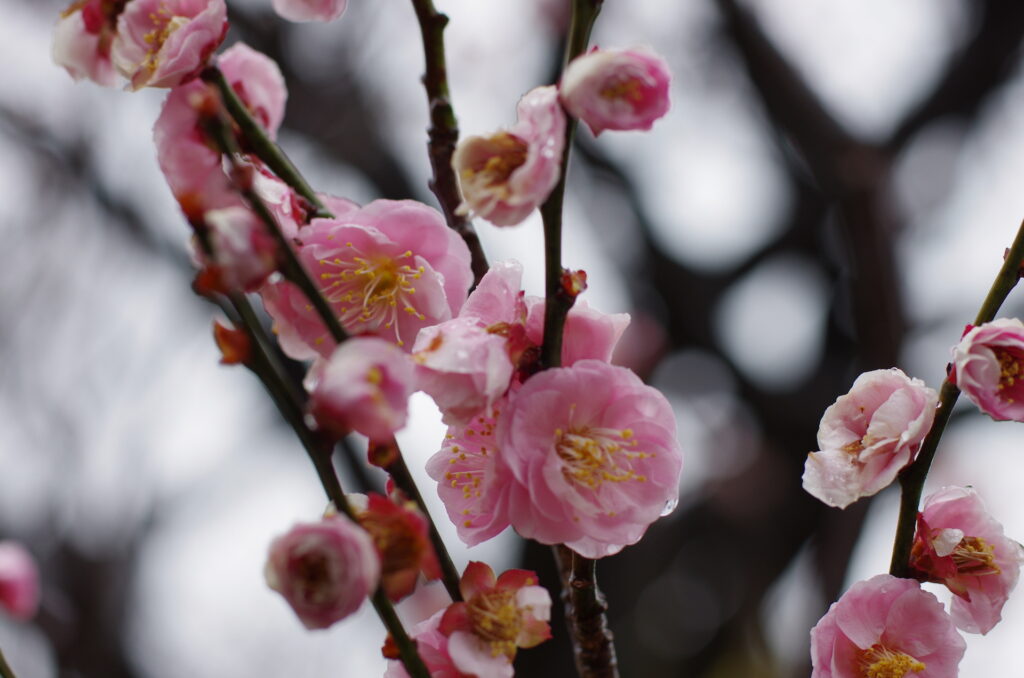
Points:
[[988, 366], [163, 43], [325, 570], [389, 269], [503, 177], [310, 10], [468, 483], [592, 457], [960, 545], [616, 89], [466, 364], [498, 616], [82, 39], [363, 386], [589, 334], [19, 581], [868, 436], [401, 536], [886, 627], [258, 82]]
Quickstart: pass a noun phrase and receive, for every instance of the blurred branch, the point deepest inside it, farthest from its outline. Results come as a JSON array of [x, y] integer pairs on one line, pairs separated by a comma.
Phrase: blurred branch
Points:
[[974, 73]]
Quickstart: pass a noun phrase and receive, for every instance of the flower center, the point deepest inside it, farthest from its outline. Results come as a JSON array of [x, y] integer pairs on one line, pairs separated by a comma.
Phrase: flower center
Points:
[[1010, 370], [975, 556], [312, 570], [397, 544], [878, 661], [495, 618], [371, 290], [164, 23], [504, 154], [592, 456], [625, 89]]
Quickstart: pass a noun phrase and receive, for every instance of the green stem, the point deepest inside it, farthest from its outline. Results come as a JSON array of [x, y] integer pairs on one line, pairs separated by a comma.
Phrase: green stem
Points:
[[913, 478], [585, 606], [260, 143], [443, 134], [5, 669]]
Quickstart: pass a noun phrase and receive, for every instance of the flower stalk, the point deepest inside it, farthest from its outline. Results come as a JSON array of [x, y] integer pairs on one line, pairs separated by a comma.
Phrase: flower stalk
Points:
[[585, 606], [5, 669], [913, 478]]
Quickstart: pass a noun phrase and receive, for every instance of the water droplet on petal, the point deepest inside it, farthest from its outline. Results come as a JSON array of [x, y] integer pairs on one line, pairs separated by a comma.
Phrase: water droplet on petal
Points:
[[670, 506]]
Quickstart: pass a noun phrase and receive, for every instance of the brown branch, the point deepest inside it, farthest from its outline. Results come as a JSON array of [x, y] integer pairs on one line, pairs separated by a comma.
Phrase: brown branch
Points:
[[443, 133]]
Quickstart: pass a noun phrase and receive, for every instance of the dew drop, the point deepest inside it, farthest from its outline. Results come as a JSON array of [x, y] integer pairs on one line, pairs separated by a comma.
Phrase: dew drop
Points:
[[670, 506]]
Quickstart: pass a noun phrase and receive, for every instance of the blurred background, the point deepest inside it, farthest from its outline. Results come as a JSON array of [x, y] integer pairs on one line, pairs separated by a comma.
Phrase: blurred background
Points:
[[832, 192]]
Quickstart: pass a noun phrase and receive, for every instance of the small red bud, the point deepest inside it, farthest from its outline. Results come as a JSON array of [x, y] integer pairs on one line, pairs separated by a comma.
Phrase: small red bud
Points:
[[234, 345], [574, 282]]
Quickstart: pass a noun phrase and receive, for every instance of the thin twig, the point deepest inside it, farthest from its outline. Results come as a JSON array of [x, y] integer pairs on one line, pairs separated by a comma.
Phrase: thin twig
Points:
[[585, 606], [913, 478], [260, 143], [319, 450], [443, 133], [5, 669]]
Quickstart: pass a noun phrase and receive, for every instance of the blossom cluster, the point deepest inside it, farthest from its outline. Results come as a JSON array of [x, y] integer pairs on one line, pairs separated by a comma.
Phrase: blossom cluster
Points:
[[887, 626], [582, 454]]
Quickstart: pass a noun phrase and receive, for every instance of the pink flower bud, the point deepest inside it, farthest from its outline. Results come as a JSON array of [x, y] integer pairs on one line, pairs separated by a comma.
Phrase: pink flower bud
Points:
[[960, 545], [505, 176], [592, 457], [324, 570], [19, 581], [310, 10], [988, 366], [364, 386], [868, 435], [886, 627], [244, 253], [163, 43], [616, 89]]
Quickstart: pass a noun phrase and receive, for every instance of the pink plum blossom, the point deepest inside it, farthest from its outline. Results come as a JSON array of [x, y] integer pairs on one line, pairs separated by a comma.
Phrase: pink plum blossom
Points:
[[390, 268], [257, 80], [466, 364], [325, 570], [163, 43], [988, 366], [503, 177], [82, 37], [616, 89], [466, 471], [868, 435], [364, 386], [19, 581], [886, 628], [592, 456], [464, 367], [244, 253], [310, 10], [960, 545], [498, 616]]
